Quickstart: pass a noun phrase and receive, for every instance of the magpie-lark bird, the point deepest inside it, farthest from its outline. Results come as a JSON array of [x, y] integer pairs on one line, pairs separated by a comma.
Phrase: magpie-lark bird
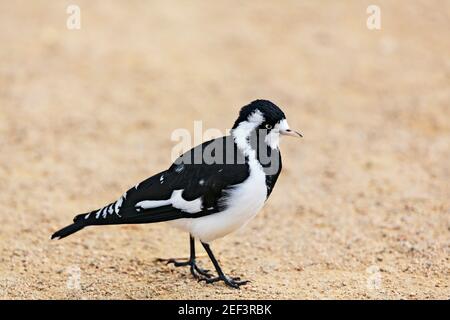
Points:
[[210, 191]]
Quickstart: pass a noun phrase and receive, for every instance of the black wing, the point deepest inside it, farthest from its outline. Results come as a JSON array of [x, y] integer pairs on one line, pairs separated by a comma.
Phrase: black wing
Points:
[[206, 172]]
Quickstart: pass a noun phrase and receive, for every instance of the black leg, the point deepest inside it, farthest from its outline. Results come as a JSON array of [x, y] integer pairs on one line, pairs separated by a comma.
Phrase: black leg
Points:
[[196, 271], [234, 282]]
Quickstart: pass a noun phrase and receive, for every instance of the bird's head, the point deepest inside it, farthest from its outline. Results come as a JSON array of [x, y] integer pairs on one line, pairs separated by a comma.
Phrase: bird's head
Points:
[[264, 118]]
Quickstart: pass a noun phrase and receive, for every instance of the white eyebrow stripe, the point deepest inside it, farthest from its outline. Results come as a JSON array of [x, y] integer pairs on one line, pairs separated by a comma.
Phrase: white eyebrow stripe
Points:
[[256, 117]]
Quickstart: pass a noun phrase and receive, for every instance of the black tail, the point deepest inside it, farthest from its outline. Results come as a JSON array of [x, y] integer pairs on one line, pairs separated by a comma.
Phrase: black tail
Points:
[[127, 215], [67, 231]]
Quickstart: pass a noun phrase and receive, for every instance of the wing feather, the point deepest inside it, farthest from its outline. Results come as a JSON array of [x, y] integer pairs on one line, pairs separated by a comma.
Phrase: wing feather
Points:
[[199, 189]]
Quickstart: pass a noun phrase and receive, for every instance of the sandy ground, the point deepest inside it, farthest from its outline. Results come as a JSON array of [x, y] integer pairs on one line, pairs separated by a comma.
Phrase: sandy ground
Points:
[[361, 209]]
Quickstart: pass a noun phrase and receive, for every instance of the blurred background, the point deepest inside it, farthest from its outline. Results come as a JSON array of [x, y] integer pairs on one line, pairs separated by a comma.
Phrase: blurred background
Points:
[[360, 211]]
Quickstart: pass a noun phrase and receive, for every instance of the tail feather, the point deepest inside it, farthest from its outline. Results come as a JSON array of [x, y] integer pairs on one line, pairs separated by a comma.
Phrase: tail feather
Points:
[[126, 215], [67, 231]]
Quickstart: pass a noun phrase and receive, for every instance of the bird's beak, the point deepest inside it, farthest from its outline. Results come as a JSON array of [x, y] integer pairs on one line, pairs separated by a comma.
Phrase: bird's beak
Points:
[[292, 133]]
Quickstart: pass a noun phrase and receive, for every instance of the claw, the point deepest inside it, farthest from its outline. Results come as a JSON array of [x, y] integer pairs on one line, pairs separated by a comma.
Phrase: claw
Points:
[[203, 272], [196, 271], [233, 282]]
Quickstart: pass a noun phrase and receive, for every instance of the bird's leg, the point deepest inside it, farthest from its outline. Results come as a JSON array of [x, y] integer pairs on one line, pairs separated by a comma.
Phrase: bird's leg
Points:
[[234, 282], [195, 269]]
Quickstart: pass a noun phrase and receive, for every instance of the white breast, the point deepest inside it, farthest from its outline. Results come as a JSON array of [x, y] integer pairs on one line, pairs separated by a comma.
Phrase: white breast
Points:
[[243, 202]]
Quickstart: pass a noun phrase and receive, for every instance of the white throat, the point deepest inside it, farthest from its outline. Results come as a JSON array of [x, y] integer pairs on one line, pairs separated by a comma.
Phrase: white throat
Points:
[[273, 138]]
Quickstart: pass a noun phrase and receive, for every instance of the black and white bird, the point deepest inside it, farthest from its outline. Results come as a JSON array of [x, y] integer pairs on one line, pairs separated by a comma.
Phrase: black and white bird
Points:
[[210, 191]]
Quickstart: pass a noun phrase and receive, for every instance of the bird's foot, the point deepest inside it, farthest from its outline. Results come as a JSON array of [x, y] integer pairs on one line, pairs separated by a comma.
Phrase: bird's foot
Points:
[[234, 282], [200, 273], [196, 271]]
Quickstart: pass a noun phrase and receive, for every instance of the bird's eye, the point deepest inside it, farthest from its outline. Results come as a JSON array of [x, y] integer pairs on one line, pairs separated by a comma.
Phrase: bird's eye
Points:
[[268, 126]]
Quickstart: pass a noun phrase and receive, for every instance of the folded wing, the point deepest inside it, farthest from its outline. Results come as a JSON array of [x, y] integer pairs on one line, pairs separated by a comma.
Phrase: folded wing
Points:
[[192, 187]]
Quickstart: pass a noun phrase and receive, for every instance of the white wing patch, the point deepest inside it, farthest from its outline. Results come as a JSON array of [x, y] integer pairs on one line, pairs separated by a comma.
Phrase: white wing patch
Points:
[[176, 200]]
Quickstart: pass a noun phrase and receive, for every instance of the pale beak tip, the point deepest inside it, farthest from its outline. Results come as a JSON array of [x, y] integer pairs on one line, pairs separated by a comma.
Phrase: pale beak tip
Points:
[[292, 133]]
